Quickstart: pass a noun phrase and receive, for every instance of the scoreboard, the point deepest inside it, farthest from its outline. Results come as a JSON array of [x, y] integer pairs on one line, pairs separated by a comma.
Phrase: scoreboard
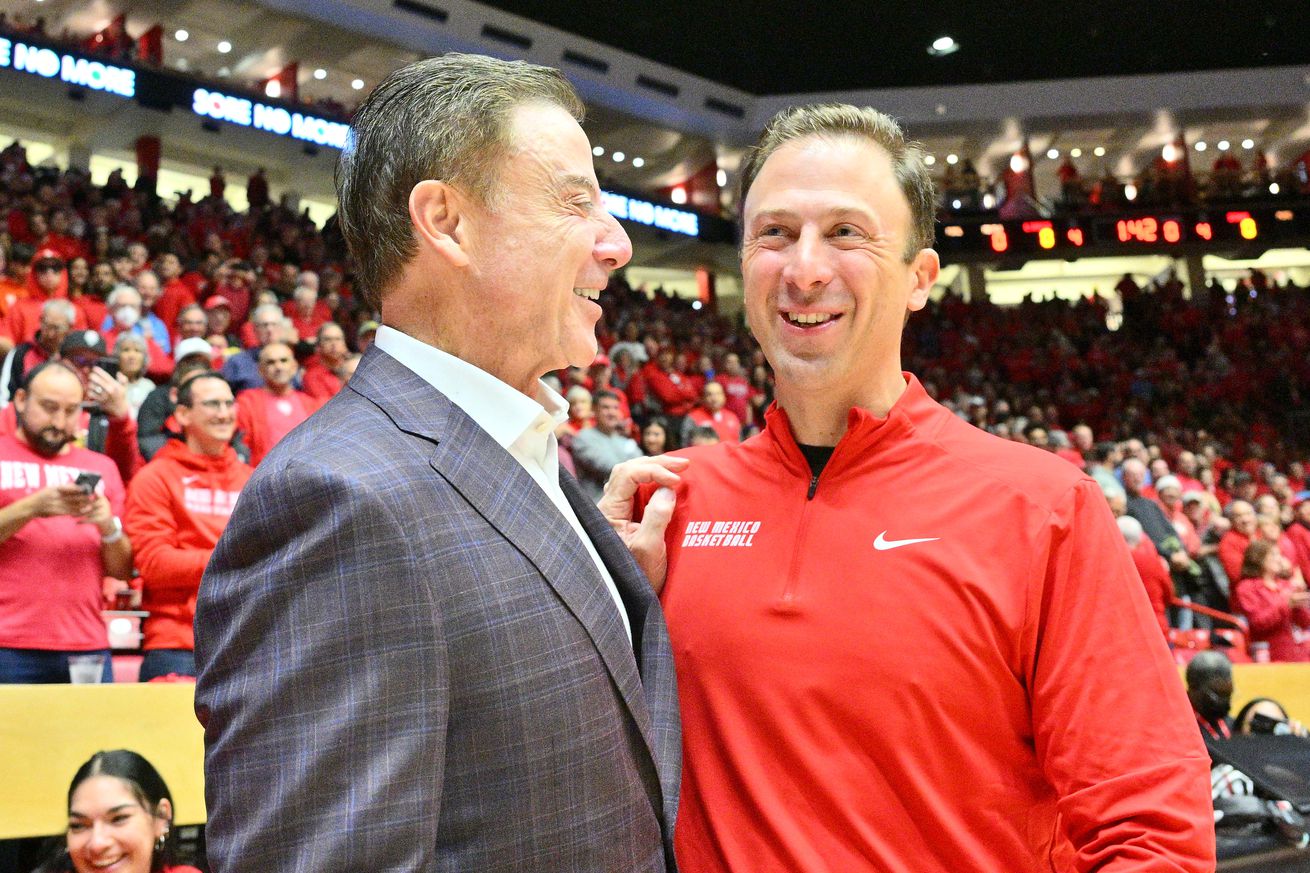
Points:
[[1241, 231]]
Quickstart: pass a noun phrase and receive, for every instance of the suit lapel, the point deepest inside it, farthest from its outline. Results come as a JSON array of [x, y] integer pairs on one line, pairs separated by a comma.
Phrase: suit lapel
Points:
[[503, 493]]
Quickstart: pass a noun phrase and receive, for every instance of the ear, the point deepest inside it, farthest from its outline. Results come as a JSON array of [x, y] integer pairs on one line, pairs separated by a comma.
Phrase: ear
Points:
[[924, 269], [163, 817], [183, 415], [436, 214]]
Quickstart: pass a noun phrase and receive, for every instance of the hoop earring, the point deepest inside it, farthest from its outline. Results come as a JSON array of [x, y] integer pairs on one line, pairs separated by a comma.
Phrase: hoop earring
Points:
[[163, 838]]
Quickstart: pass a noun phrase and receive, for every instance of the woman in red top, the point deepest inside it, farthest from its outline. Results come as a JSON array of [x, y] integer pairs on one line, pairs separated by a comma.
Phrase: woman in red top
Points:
[[120, 816], [1274, 603]]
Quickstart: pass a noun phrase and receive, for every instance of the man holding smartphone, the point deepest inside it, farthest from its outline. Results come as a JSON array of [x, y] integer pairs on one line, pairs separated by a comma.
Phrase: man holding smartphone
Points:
[[58, 539]]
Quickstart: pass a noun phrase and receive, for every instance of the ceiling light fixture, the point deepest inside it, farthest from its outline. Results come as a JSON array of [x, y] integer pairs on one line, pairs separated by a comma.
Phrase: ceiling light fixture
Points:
[[1201, 146], [357, 84], [639, 162], [598, 151], [618, 157], [181, 36], [721, 177], [1223, 145], [942, 46], [678, 195], [929, 160], [1099, 151], [224, 47], [952, 159], [273, 88], [1053, 154], [1075, 153], [320, 74], [1248, 144]]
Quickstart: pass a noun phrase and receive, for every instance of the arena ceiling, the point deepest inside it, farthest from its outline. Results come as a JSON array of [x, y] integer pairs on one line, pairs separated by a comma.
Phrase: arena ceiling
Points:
[[790, 48]]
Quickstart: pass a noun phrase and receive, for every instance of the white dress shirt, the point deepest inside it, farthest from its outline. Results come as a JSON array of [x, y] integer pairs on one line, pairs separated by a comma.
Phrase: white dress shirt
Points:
[[523, 427]]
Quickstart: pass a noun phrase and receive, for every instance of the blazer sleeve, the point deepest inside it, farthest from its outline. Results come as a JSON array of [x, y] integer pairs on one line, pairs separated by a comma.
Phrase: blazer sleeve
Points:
[[323, 683]]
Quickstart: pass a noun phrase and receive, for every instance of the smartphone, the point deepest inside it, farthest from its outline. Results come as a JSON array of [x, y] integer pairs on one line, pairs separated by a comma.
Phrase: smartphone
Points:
[[109, 365], [87, 481], [1264, 724]]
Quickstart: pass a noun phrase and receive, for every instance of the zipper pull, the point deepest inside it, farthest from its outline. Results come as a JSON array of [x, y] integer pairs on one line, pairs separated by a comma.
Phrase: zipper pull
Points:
[[814, 486]]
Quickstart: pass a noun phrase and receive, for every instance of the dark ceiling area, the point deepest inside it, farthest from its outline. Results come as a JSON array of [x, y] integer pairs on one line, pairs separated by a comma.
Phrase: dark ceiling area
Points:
[[785, 48]]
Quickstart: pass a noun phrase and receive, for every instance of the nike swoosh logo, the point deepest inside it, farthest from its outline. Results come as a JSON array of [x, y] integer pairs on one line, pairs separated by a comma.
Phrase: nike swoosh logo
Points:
[[882, 544], [187, 480]]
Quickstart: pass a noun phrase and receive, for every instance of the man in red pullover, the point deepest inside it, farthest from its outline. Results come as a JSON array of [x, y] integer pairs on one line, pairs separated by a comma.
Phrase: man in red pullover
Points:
[[267, 414], [177, 508], [321, 379], [902, 644]]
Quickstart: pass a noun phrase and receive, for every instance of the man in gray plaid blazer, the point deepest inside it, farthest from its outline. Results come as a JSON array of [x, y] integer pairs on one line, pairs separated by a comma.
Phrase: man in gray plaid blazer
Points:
[[420, 646]]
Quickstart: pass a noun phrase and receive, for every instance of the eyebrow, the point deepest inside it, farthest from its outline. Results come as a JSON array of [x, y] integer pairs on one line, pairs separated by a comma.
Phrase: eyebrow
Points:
[[121, 806], [572, 181], [835, 212]]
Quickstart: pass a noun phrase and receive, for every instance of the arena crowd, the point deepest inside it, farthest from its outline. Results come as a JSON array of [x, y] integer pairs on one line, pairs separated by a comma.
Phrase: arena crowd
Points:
[[189, 338]]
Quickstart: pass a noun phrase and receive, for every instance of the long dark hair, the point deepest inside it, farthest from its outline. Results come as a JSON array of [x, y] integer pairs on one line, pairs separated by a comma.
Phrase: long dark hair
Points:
[[147, 786]]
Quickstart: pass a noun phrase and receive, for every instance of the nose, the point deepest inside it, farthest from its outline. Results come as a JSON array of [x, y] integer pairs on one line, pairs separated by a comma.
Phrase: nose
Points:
[[808, 266], [613, 248], [99, 838]]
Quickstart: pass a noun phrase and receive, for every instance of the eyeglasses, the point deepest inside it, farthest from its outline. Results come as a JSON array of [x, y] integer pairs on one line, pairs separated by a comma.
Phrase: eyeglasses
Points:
[[48, 267], [216, 405]]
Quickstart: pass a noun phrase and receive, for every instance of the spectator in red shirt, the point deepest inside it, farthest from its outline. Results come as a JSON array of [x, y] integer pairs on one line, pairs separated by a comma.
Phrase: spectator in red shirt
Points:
[[321, 379], [177, 507], [56, 320], [674, 393], [736, 386], [47, 280], [1233, 545], [265, 415], [712, 413], [1153, 569], [1298, 532], [307, 312], [1274, 604], [57, 541], [175, 295]]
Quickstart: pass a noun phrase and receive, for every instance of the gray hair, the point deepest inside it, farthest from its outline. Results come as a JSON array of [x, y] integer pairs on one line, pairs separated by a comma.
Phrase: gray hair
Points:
[[832, 120], [441, 118], [130, 339], [1131, 529], [59, 306], [119, 290], [266, 308]]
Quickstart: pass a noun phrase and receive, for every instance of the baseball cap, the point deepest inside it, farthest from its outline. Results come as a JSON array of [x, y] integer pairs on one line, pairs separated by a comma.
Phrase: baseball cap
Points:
[[1193, 497], [1168, 482], [82, 340], [193, 346], [216, 301]]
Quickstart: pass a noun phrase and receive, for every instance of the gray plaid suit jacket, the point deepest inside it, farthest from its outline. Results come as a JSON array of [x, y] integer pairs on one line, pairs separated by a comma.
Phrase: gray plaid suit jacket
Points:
[[409, 662]]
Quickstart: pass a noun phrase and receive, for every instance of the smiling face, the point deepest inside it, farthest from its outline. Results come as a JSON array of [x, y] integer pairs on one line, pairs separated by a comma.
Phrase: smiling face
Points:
[[109, 829], [542, 251], [827, 284]]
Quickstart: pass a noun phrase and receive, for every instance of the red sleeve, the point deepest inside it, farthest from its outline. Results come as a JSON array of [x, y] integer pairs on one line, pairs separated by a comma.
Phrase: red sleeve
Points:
[[1129, 800], [1231, 551], [161, 365], [120, 445], [1266, 611], [152, 523]]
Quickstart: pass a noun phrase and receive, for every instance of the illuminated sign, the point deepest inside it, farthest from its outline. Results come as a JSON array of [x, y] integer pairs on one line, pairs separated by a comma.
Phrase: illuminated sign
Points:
[[652, 214], [83, 72], [272, 119]]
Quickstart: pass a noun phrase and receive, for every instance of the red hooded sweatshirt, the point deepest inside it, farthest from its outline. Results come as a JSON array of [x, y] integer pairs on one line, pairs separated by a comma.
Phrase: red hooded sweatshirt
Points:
[[177, 508], [25, 315]]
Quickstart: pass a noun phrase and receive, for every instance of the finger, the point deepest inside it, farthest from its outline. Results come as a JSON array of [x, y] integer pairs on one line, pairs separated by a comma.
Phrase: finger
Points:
[[627, 477], [659, 512]]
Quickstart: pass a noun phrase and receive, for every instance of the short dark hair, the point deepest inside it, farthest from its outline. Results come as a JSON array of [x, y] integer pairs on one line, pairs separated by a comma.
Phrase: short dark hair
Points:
[[605, 395], [831, 120], [440, 118], [187, 386], [188, 366], [33, 374], [1207, 665]]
